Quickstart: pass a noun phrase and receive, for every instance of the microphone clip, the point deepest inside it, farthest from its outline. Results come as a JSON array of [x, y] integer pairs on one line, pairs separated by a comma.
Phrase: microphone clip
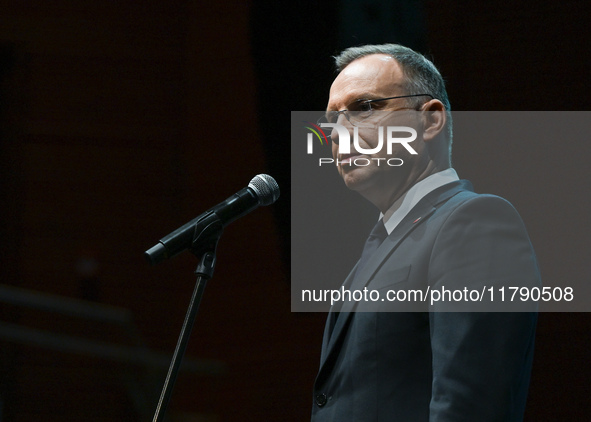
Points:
[[206, 235]]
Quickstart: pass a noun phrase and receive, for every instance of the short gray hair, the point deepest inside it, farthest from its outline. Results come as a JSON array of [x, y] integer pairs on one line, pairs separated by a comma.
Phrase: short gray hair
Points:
[[422, 77]]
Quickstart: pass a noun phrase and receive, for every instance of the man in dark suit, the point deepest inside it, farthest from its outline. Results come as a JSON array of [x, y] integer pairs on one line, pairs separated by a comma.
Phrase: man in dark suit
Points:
[[434, 234]]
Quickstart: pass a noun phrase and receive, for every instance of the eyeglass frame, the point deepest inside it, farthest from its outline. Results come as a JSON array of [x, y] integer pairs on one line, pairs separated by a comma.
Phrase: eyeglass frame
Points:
[[363, 101]]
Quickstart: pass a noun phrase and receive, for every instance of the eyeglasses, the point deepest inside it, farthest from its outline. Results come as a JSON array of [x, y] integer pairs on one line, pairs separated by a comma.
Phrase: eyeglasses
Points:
[[360, 110]]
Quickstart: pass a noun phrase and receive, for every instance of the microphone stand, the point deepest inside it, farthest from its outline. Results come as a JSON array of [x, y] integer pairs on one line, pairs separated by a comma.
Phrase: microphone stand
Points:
[[206, 236]]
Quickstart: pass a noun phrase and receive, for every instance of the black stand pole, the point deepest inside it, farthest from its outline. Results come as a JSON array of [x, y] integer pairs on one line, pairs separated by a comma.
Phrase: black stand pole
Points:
[[204, 246]]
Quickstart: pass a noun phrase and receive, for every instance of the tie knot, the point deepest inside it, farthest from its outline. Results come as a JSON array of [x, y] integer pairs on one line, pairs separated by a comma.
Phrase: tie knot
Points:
[[379, 231]]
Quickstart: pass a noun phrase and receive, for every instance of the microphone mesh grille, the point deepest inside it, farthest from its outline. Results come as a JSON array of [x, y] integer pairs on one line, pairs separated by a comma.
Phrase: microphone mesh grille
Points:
[[265, 188]]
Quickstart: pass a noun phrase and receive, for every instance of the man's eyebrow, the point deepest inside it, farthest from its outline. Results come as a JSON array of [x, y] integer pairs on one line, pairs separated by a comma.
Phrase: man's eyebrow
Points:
[[366, 96], [359, 99]]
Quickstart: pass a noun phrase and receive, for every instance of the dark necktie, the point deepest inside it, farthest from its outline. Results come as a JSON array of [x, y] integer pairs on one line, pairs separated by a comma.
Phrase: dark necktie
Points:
[[373, 242]]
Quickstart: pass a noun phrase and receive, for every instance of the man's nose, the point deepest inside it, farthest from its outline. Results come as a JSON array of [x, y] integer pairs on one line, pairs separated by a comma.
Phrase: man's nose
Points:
[[342, 120]]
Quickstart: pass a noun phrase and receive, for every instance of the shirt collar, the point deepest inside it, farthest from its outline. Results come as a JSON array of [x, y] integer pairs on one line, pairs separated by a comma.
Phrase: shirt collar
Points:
[[401, 207]]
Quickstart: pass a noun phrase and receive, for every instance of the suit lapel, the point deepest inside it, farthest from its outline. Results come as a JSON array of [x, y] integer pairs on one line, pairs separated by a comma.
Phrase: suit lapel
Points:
[[416, 216]]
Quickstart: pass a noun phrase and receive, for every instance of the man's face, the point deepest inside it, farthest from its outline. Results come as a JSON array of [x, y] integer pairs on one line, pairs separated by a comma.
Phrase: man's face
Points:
[[372, 77]]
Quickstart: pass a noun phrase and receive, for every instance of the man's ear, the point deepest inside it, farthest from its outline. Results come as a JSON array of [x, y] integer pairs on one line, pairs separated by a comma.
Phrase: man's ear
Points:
[[434, 119]]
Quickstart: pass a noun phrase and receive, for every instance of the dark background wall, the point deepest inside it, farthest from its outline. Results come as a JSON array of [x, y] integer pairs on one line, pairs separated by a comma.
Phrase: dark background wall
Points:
[[122, 121]]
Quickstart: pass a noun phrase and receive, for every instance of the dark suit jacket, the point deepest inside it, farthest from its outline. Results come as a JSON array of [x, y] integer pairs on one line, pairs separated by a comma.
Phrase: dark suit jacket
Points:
[[435, 366]]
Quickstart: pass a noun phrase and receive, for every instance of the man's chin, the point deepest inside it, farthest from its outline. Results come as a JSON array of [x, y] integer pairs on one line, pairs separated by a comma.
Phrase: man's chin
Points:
[[357, 179]]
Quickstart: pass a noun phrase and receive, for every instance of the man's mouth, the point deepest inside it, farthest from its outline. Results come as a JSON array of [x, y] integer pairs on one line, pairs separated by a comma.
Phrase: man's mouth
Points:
[[347, 158]]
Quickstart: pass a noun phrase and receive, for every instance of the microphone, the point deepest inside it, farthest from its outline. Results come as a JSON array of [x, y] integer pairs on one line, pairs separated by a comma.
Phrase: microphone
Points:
[[262, 190]]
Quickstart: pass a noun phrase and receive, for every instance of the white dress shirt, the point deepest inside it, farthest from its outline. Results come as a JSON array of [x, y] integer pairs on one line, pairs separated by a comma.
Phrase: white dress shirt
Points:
[[406, 202]]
